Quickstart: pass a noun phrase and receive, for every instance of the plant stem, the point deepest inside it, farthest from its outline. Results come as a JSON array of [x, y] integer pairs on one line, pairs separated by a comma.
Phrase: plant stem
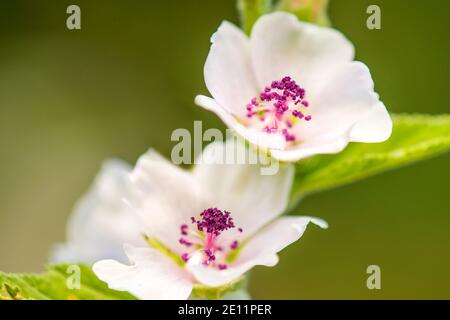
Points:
[[251, 10]]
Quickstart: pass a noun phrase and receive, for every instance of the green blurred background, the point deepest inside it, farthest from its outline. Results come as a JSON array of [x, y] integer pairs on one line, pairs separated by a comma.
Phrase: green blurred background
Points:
[[70, 99]]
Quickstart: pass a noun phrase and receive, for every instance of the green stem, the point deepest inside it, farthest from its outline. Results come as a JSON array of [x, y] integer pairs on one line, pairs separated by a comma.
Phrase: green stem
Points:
[[251, 10], [314, 11]]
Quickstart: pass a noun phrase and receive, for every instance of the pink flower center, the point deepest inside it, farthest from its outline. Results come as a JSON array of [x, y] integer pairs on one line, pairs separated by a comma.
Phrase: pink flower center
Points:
[[204, 237], [280, 107]]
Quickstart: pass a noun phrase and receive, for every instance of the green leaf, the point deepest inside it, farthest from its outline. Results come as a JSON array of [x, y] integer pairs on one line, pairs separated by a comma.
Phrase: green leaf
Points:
[[53, 285], [314, 11], [251, 10], [414, 138]]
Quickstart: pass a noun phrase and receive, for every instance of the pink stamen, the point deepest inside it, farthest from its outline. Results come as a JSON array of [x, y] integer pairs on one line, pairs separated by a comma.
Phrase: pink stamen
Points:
[[211, 224], [185, 257], [185, 242], [222, 266], [184, 228], [281, 101]]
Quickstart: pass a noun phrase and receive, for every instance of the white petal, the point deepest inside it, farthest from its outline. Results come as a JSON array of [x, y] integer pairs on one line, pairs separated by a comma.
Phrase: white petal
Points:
[[228, 73], [344, 109], [282, 45], [275, 237], [165, 197], [101, 222], [213, 277], [339, 103], [151, 275], [252, 198], [310, 149], [375, 127], [254, 136], [67, 252], [261, 249]]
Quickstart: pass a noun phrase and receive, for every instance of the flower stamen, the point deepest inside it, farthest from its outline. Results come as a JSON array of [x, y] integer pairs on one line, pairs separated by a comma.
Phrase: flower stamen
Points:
[[209, 226], [279, 107]]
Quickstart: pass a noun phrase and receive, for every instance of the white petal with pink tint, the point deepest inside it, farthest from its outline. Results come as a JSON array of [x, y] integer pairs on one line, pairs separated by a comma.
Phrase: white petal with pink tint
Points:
[[151, 275], [282, 45], [265, 196], [261, 249], [254, 136], [347, 95], [163, 195], [101, 222], [228, 70]]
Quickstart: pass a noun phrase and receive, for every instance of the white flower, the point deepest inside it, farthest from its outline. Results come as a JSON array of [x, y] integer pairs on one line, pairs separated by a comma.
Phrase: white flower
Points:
[[292, 87], [205, 227], [101, 222]]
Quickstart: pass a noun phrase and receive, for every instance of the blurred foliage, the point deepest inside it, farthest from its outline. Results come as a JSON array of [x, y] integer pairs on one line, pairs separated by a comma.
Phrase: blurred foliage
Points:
[[315, 11], [251, 10], [53, 285], [122, 84], [414, 138]]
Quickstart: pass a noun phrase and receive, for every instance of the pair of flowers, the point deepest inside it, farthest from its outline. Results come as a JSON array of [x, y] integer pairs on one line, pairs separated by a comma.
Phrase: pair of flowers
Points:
[[291, 88]]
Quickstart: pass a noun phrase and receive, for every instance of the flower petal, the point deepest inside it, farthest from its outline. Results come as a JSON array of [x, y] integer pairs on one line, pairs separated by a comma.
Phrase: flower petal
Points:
[[275, 237], [228, 73], [239, 186], [281, 45], [101, 222], [310, 149], [261, 249], [164, 196], [215, 278], [339, 103], [344, 109], [254, 136], [375, 127], [151, 275]]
